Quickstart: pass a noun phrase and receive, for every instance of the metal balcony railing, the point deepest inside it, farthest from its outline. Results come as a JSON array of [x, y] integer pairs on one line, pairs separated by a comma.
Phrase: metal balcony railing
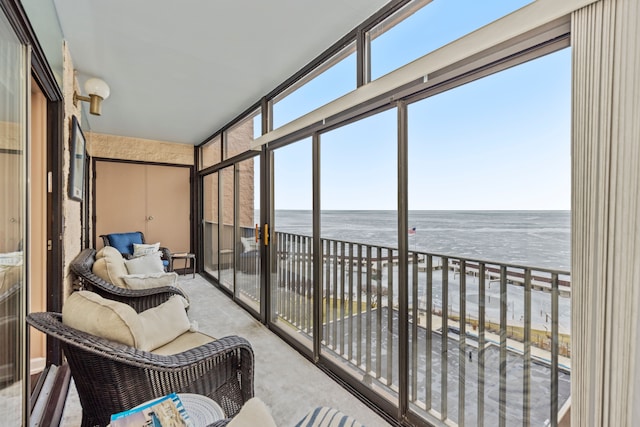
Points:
[[488, 341]]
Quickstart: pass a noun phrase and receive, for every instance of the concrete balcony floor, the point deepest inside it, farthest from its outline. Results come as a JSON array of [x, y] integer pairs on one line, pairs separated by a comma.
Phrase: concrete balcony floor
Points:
[[287, 382]]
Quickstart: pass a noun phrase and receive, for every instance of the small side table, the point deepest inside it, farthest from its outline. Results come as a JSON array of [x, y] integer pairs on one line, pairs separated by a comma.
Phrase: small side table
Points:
[[201, 409], [186, 257]]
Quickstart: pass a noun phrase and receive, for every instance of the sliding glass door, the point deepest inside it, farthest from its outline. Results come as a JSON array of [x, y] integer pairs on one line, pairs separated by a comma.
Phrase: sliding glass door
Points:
[[291, 242], [226, 230], [359, 240], [489, 247], [231, 243], [210, 222], [13, 223]]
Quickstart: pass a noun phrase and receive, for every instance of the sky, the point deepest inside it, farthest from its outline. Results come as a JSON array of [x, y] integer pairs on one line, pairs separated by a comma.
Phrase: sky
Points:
[[499, 143]]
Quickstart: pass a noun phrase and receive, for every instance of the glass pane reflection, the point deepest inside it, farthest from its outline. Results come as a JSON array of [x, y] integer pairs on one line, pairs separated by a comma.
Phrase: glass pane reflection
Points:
[[12, 224]]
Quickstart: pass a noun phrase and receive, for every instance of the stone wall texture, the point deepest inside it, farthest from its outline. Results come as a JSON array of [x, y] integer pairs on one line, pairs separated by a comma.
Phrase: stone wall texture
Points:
[[138, 149], [72, 232], [210, 153]]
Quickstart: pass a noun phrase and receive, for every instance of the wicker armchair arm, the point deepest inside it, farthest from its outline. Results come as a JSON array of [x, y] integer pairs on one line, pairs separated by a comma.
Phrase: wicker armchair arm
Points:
[[105, 240]]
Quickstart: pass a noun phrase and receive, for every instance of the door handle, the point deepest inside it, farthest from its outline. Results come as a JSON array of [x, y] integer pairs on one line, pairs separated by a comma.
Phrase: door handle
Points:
[[150, 218], [266, 234]]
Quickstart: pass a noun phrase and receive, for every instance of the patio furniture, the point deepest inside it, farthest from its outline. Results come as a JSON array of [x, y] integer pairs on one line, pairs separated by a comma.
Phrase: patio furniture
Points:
[[124, 242], [187, 257], [139, 299], [112, 377], [249, 255]]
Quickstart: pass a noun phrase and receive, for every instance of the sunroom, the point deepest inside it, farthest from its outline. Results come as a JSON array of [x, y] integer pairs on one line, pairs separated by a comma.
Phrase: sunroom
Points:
[[434, 203]]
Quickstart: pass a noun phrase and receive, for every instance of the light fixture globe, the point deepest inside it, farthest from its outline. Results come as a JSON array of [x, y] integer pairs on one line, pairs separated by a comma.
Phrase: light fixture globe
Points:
[[97, 90], [99, 87]]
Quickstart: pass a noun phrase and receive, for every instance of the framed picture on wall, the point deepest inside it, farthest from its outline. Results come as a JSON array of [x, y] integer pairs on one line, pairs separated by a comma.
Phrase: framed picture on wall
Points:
[[77, 160]]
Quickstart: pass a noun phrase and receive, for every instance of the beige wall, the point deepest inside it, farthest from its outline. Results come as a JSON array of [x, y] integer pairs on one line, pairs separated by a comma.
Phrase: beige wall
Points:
[[138, 149]]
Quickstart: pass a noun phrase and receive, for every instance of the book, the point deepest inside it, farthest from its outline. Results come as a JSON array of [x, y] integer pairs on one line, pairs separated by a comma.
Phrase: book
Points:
[[167, 411]]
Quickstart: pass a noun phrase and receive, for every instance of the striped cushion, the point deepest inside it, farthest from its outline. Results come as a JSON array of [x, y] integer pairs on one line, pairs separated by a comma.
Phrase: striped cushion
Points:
[[327, 417]]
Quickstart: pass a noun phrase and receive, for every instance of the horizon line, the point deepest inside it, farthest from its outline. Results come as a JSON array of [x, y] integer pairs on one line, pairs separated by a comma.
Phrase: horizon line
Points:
[[430, 210]]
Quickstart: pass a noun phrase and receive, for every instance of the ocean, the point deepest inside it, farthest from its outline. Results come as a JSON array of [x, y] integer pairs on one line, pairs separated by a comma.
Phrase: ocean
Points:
[[536, 239], [530, 238]]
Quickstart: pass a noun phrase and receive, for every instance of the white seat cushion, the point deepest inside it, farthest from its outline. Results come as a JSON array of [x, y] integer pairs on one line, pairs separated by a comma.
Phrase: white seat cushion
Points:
[[147, 281], [164, 323], [146, 264], [141, 249], [253, 413], [184, 342]]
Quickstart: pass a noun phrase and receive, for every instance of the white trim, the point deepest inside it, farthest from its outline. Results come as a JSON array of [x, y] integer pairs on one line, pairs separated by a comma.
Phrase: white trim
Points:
[[36, 365], [528, 18]]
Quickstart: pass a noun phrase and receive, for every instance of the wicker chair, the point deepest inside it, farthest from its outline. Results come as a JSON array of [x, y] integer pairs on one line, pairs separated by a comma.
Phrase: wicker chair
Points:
[[124, 243], [112, 377], [140, 300]]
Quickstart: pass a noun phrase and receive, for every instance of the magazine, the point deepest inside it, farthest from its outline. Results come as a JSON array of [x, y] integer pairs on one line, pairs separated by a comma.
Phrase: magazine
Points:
[[167, 411]]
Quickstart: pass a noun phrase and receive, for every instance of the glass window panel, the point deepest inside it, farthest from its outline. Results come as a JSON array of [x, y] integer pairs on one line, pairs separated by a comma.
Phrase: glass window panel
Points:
[[359, 231], [13, 224], [238, 138], [257, 126], [336, 77], [227, 224], [44, 19], [211, 221], [291, 243], [210, 153], [248, 251], [424, 26], [490, 180]]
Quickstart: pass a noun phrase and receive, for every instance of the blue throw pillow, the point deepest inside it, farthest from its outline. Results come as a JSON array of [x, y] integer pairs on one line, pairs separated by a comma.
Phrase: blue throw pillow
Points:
[[123, 242]]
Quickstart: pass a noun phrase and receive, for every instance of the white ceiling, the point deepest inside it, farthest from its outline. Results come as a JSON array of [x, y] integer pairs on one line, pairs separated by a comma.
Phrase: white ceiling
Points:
[[180, 70]]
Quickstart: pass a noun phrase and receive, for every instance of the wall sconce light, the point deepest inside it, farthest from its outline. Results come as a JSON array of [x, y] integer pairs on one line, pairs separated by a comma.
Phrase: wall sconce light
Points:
[[98, 90]]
